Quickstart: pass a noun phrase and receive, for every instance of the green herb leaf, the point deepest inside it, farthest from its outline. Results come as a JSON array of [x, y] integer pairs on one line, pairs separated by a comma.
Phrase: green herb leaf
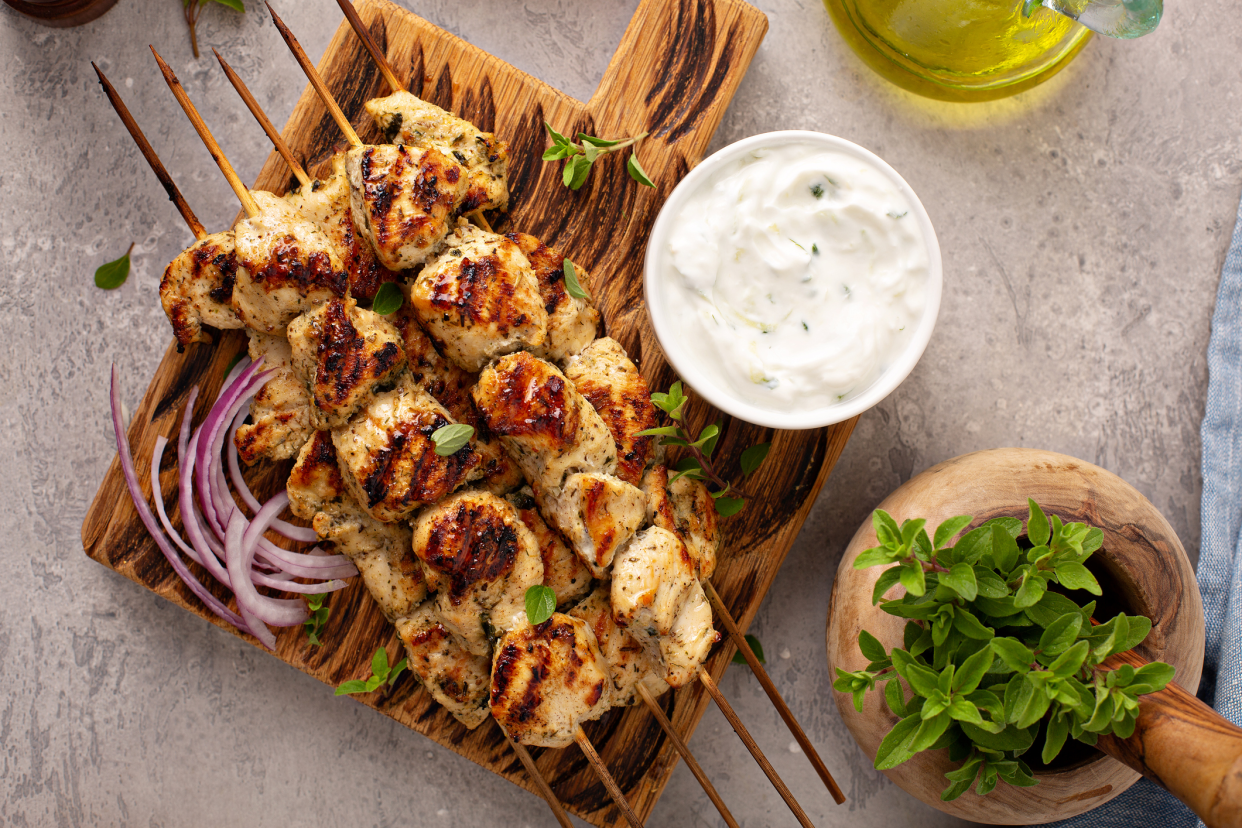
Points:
[[1016, 655], [1061, 633], [379, 663], [317, 617], [1073, 575], [967, 679], [596, 142], [112, 275], [912, 579], [572, 286], [886, 530], [397, 669], [1032, 589], [755, 647], [235, 5], [1151, 678], [557, 138], [729, 506], [885, 582], [388, 299], [895, 747], [753, 457], [352, 686], [965, 622], [637, 172], [946, 530], [1054, 739], [1004, 549], [871, 646], [1037, 525], [1070, 661], [895, 698], [451, 438], [540, 603], [961, 579]]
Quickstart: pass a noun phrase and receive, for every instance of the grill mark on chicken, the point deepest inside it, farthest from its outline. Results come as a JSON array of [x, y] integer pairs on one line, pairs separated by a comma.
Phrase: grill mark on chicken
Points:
[[343, 360], [527, 404], [286, 269], [423, 189], [469, 545], [423, 487], [226, 263]]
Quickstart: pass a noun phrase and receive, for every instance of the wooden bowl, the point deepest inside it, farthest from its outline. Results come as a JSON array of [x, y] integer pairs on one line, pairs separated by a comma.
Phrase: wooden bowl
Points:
[[1142, 568]]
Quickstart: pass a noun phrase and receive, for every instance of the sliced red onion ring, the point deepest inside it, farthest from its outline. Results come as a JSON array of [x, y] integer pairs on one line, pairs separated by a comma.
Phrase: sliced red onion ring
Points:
[[190, 516], [301, 534], [148, 520], [239, 545], [215, 512]]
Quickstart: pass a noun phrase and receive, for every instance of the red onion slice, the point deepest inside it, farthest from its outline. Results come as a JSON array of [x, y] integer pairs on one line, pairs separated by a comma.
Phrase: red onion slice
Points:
[[240, 544], [190, 516], [302, 534], [148, 520]]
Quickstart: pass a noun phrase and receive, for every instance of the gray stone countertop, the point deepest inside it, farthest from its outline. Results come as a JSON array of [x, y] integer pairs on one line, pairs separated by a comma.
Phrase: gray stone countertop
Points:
[[1083, 226]]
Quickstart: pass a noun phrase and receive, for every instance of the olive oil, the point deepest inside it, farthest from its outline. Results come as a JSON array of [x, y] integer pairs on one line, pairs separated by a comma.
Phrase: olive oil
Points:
[[958, 49]]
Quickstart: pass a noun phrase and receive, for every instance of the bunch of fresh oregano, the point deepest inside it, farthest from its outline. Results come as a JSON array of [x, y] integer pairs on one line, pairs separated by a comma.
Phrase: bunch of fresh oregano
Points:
[[998, 661], [697, 462]]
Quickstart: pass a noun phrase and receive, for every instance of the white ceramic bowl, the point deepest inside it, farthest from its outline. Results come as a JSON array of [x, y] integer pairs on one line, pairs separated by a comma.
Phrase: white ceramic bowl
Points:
[[657, 265]]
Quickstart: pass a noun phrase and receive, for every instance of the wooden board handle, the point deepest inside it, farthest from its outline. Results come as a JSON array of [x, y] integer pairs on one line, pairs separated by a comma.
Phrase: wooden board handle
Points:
[[1186, 747], [669, 69]]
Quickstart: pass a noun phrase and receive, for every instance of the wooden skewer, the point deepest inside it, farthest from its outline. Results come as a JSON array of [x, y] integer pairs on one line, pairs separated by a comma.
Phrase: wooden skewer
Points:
[[743, 647], [480, 220], [273, 134], [755, 751], [243, 194], [312, 75], [611, 784], [533, 771], [148, 152], [364, 34], [684, 750]]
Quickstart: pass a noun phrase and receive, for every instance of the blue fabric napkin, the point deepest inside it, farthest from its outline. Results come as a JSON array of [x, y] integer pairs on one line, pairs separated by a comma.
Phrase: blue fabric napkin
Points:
[[1220, 556]]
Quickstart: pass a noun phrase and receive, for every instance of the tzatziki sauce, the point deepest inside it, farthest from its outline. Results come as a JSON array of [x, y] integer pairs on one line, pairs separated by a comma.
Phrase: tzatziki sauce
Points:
[[796, 275]]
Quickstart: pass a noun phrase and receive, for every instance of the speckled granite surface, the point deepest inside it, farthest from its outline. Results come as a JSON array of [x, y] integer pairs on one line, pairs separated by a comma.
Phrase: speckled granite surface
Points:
[[1083, 225]]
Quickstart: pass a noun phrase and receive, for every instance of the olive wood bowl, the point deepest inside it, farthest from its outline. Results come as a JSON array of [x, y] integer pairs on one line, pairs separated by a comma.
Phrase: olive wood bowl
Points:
[[1142, 569]]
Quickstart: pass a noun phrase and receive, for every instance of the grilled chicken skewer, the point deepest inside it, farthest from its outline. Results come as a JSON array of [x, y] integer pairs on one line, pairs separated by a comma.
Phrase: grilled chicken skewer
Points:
[[403, 197], [547, 679], [656, 589], [285, 264], [325, 202], [197, 286], [634, 679], [406, 119]]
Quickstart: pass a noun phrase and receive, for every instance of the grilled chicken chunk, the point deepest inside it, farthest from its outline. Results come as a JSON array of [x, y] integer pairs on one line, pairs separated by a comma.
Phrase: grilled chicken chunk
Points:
[[563, 572], [612, 385], [479, 558], [454, 677], [687, 509], [547, 680], [656, 596], [388, 458], [326, 203], [343, 353], [280, 414], [450, 386], [550, 430], [403, 200], [406, 119], [630, 663], [572, 322], [478, 299], [597, 514], [197, 289], [285, 266], [380, 551]]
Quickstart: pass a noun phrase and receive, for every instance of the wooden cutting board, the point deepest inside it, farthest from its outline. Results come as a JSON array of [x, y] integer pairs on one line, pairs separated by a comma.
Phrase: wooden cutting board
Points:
[[673, 75]]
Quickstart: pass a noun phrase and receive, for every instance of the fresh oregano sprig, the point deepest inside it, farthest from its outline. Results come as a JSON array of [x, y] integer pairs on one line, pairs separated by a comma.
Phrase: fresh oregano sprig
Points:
[[316, 618], [451, 438], [381, 674], [540, 603], [696, 464], [580, 156], [991, 652]]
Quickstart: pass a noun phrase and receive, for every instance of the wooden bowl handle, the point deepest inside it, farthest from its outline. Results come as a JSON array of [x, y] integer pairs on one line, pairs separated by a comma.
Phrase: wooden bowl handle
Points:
[[1185, 747]]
